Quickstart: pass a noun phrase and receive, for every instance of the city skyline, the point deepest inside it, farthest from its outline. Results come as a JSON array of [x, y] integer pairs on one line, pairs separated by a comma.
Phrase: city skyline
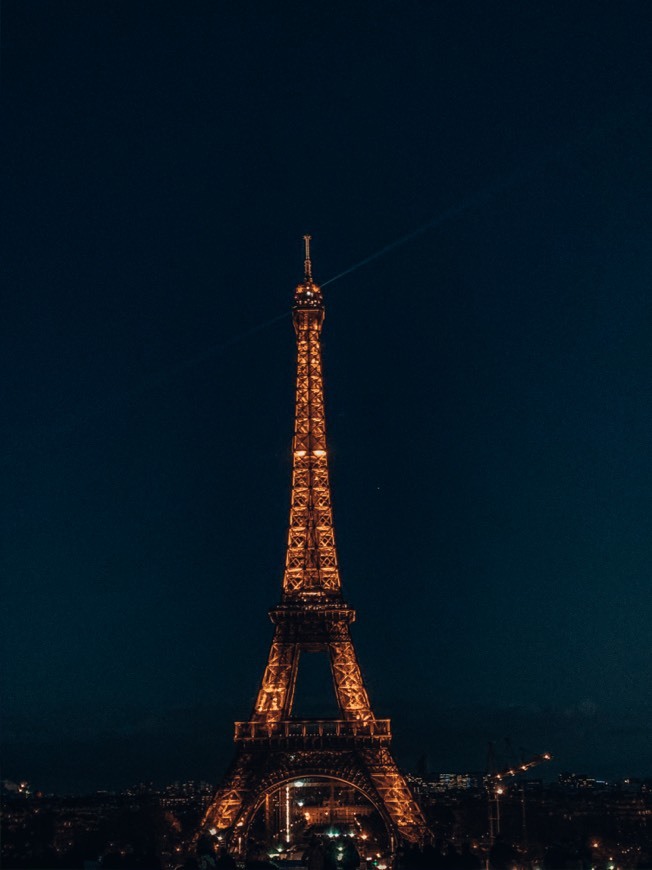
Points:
[[574, 817], [487, 379]]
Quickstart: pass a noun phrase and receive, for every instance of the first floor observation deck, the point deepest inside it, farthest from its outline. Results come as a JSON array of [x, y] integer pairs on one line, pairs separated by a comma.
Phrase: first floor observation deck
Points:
[[314, 733]]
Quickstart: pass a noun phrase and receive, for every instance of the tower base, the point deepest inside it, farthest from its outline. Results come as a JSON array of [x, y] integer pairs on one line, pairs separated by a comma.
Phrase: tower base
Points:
[[315, 750]]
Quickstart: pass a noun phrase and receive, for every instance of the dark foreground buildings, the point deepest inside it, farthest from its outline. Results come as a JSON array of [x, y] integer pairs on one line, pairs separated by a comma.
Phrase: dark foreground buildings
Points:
[[576, 822]]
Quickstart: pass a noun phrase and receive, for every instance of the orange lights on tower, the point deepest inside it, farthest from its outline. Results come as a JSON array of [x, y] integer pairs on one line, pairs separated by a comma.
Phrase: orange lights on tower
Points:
[[274, 748]]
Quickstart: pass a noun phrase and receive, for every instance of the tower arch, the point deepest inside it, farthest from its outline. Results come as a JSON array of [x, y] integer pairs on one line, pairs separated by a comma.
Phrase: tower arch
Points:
[[354, 782]]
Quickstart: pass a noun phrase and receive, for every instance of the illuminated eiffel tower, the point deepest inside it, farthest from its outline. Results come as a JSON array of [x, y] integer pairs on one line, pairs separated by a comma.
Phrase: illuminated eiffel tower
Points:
[[273, 748]]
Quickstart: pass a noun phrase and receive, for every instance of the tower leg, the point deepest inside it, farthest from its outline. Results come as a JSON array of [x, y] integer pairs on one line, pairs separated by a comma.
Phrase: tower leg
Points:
[[404, 812], [351, 694], [276, 693]]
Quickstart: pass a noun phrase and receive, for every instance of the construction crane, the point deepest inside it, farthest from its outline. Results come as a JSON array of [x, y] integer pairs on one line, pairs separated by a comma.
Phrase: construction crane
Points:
[[495, 789]]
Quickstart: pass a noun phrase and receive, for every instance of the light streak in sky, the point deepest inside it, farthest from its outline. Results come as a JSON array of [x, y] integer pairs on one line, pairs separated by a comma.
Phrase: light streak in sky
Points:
[[478, 198], [65, 425]]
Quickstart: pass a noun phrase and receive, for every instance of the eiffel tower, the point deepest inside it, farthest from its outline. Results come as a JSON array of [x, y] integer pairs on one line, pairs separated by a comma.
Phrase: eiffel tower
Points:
[[272, 747]]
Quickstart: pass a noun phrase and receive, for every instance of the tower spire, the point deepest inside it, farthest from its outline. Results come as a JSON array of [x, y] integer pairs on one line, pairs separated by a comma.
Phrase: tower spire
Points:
[[311, 560], [307, 293], [307, 263]]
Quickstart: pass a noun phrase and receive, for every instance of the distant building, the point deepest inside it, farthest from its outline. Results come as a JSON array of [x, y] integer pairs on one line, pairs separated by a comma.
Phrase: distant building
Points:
[[578, 781], [445, 782]]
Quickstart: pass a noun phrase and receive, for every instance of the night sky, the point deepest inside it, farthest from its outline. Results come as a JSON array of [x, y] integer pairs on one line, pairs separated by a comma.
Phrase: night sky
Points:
[[488, 381]]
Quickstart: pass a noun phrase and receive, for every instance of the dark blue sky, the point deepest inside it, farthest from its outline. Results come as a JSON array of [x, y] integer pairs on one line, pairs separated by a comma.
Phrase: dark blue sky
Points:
[[488, 382]]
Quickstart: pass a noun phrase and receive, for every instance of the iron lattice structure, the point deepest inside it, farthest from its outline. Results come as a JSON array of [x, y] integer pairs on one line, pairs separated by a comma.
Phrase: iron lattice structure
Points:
[[273, 748]]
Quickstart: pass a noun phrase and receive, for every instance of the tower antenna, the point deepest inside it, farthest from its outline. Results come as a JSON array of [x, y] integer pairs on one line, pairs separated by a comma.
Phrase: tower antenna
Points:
[[307, 263]]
